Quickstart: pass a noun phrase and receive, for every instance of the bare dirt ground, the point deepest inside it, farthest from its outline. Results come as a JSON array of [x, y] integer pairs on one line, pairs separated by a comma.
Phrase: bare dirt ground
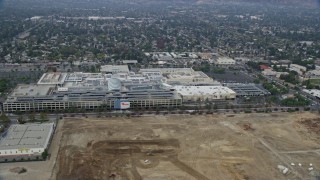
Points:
[[181, 147]]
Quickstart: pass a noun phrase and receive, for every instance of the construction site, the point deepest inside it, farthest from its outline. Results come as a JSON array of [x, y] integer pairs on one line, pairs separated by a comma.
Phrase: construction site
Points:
[[241, 146]]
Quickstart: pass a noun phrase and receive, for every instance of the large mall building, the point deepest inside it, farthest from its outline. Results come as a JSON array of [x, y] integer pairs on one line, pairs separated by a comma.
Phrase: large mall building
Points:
[[116, 88]]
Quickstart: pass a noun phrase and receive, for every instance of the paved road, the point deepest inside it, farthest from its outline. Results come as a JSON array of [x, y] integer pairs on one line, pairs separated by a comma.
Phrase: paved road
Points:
[[54, 116], [302, 151], [283, 160]]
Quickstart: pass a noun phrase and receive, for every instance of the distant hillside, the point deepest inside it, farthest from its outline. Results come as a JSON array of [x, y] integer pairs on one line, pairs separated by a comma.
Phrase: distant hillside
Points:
[[101, 3], [308, 3]]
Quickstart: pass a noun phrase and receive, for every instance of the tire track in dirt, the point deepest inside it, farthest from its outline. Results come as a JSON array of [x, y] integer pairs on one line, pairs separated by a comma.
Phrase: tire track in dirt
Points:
[[187, 169]]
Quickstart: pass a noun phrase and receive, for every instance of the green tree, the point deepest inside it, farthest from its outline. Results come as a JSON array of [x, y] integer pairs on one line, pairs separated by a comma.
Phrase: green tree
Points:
[[45, 154], [93, 69], [31, 117], [298, 100], [21, 120], [43, 116], [4, 118], [256, 81], [101, 56], [4, 85], [292, 78]]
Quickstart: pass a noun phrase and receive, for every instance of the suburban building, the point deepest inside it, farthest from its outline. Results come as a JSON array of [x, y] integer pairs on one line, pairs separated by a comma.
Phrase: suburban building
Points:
[[25, 141], [129, 61], [113, 69], [313, 92], [297, 68], [284, 62], [313, 74], [162, 56], [205, 56], [270, 72], [225, 61]]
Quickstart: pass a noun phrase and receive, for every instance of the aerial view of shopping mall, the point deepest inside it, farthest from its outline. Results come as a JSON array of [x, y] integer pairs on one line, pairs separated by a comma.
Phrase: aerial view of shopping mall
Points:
[[146, 89]]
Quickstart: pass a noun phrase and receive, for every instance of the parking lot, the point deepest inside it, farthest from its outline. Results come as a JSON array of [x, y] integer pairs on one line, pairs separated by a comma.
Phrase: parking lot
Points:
[[232, 77]]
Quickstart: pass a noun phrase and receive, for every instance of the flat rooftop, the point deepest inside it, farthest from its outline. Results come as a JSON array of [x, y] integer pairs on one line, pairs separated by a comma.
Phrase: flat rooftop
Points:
[[129, 61], [222, 59], [168, 70], [187, 75], [114, 68], [52, 78], [203, 90], [26, 90], [29, 136]]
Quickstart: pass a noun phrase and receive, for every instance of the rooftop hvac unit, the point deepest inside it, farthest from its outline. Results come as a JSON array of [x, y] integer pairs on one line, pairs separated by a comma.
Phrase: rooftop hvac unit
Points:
[[62, 89]]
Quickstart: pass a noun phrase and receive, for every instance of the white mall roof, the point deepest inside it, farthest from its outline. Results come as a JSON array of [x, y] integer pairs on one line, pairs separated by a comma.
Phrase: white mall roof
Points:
[[203, 90]]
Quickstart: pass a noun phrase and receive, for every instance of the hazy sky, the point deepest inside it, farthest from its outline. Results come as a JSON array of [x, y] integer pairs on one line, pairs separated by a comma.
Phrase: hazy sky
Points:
[[305, 3]]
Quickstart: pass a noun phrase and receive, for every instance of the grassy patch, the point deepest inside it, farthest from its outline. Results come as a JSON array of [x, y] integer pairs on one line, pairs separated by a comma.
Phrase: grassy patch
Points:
[[315, 82]]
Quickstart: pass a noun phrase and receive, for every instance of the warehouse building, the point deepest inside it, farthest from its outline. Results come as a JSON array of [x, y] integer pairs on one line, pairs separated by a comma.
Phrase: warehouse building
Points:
[[25, 141]]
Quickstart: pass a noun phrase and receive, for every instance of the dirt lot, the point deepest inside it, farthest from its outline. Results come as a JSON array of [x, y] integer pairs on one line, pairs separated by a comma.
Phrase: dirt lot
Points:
[[242, 146]]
